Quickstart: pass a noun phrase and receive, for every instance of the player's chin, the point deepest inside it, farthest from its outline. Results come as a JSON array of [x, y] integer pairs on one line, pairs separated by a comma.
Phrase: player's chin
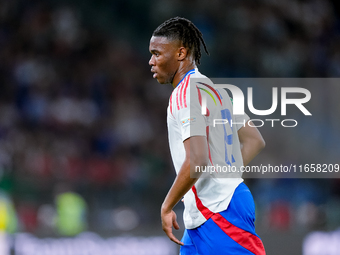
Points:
[[161, 81]]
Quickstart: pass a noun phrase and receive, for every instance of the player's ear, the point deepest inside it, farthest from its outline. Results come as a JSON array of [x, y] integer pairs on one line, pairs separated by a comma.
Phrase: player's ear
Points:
[[182, 53]]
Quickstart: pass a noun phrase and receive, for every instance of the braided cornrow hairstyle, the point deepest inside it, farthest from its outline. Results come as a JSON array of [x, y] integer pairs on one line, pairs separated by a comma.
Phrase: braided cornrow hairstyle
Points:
[[184, 30]]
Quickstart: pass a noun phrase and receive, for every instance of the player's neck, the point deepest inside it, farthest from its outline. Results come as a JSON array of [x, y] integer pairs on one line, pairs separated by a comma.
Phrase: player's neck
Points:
[[181, 72]]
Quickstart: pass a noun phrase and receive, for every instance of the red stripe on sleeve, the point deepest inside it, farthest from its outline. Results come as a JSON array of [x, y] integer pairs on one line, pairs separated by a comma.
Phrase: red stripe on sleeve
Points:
[[247, 240], [170, 103], [177, 99], [185, 92], [181, 92]]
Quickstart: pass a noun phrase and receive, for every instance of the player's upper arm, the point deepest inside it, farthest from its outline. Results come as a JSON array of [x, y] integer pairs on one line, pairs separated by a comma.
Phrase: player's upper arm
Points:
[[196, 148], [251, 142], [251, 134]]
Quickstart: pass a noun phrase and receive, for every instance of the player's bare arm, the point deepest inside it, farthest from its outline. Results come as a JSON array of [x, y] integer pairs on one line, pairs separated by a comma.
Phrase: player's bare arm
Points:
[[252, 142], [196, 149]]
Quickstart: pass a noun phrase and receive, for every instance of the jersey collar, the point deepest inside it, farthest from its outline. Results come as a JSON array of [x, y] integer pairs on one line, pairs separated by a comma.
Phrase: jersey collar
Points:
[[189, 72]]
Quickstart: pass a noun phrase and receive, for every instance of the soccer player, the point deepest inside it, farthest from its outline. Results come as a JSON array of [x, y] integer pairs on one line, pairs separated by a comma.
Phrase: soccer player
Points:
[[219, 213]]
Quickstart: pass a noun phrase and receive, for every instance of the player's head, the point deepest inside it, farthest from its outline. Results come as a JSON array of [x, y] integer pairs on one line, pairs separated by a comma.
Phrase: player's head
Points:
[[174, 41]]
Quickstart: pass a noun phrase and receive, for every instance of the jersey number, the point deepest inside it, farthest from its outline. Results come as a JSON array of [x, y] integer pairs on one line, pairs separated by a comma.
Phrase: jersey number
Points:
[[228, 139]]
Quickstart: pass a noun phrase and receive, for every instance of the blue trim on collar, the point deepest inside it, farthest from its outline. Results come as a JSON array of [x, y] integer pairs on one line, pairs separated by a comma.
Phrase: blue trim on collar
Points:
[[189, 72]]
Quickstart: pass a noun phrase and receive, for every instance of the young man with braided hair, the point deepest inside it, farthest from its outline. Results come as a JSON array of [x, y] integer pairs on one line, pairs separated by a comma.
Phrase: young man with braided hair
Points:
[[219, 213]]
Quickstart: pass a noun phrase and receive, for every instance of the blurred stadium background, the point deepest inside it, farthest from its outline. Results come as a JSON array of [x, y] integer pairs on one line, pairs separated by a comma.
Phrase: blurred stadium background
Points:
[[83, 140]]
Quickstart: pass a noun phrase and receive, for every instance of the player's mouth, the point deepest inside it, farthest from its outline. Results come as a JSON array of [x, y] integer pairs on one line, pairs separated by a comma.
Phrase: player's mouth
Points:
[[154, 73]]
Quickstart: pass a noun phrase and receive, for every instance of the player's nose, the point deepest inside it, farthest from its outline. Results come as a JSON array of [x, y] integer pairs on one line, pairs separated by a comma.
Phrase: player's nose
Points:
[[152, 61]]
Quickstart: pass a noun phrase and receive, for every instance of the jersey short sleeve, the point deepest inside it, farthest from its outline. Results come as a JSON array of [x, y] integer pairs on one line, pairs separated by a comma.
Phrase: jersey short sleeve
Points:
[[190, 119]]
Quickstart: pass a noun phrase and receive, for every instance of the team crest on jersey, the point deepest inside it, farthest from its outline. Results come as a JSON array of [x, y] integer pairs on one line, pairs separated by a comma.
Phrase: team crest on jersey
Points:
[[187, 121]]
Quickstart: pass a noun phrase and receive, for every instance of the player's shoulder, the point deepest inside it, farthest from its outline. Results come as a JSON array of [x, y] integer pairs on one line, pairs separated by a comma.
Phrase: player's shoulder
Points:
[[198, 79], [197, 75]]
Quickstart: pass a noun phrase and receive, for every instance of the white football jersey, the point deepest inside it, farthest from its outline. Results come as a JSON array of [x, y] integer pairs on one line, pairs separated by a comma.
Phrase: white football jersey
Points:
[[185, 120]]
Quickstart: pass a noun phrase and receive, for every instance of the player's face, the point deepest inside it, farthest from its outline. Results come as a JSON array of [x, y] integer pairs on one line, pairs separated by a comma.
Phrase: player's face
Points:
[[164, 63]]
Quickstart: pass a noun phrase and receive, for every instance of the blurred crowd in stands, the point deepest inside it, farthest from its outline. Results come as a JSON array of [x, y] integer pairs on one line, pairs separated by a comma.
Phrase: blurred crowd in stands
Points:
[[80, 113]]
